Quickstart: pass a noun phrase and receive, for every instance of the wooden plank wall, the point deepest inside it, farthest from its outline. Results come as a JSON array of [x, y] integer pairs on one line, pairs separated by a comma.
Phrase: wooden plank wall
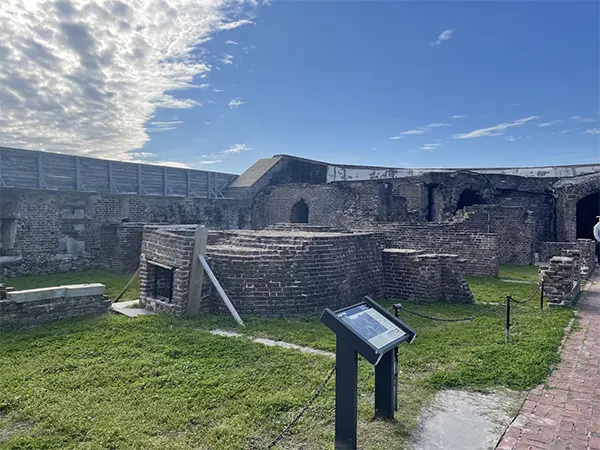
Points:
[[54, 171]]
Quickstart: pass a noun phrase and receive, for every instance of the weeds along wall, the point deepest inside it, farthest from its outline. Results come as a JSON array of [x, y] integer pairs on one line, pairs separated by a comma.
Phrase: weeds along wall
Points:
[[49, 232]]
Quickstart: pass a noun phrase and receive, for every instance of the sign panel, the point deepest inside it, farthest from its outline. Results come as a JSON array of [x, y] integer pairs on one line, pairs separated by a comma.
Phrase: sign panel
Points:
[[371, 325]]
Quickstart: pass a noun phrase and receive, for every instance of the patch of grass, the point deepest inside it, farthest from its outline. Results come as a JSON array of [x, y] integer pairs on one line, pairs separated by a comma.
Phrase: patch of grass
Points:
[[114, 282], [164, 382], [522, 273]]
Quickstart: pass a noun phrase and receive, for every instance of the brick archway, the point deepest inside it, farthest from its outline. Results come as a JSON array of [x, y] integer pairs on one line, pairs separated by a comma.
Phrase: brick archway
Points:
[[569, 194]]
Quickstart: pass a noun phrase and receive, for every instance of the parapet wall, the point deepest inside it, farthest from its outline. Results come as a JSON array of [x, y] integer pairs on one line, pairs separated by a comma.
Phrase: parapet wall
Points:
[[35, 307]]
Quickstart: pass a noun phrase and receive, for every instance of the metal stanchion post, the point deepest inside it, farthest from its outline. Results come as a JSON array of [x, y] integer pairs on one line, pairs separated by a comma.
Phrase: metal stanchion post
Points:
[[508, 319], [542, 296]]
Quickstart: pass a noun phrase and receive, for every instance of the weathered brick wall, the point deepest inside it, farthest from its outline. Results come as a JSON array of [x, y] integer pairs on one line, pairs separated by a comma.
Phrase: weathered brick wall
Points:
[[280, 273], [50, 223], [515, 227], [35, 307], [480, 250], [562, 280], [121, 247], [424, 277], [172, 248], [586, 248]]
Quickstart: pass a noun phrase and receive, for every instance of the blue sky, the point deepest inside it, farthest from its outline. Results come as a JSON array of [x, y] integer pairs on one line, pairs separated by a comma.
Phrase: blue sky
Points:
[[405, 84]]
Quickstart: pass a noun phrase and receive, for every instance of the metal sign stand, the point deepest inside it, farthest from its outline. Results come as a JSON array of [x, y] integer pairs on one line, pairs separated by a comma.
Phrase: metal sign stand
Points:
[[351, 340]]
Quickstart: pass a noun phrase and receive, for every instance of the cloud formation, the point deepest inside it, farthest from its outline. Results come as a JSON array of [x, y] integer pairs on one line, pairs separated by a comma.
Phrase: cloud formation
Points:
[[458, 116], [443, 36], [592, 131], [548, 124], [224, 154], [86, 77], [412, 132], [236, 103], [495, 130], [395, 138], [431, 146], [583, 119]]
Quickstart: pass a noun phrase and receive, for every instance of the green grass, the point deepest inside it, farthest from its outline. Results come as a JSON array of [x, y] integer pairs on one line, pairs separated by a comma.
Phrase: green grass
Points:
[[164, 382], [522, 273], [114, 282]]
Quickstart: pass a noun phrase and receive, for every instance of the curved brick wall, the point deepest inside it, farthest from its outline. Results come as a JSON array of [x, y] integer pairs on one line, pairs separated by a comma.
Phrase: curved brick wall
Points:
[[277, 273]]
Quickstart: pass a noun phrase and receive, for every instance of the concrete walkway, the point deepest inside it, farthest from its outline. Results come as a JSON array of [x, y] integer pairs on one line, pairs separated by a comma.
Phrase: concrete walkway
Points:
[[566, 414]]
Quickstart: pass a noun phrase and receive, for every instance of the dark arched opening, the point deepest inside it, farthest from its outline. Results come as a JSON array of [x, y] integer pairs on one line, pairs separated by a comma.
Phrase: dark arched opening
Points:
[[299, 212], [469, 197], [587, 210]]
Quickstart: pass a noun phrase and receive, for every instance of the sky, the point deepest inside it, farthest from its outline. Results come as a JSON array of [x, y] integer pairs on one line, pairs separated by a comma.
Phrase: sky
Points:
[[218, 84]]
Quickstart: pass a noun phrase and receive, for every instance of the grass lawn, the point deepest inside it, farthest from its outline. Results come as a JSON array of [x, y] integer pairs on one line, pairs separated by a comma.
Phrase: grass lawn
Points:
[[114, 282], [163, 382]]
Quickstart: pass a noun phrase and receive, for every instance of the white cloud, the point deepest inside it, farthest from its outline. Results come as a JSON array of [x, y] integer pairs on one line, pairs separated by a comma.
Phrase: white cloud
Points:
[[237, 148], [458, 116], [395, 138], [175, 164], [230, 42], [218, 90], [583, 119], [548, 124], [209, 161], [437, 125], [443, 36], [431, 146], [412, 132], [85, 77], [236, 103], [227, 59], [495, 130], [515, 138], [592, 131]]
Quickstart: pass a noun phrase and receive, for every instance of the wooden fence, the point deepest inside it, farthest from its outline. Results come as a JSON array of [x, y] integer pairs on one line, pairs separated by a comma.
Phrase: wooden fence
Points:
[[53, 171]]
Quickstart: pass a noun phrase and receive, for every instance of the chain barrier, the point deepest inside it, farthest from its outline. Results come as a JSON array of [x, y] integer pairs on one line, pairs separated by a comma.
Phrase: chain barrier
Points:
[[400, 307], [444, 319], [298, 416]]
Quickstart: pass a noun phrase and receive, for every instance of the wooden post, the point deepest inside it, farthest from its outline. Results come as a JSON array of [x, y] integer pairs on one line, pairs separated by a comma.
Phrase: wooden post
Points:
[[197, 272], [40, 170], [188, 182], [110, 177], [165, 182], [77, 174], [220, 290]]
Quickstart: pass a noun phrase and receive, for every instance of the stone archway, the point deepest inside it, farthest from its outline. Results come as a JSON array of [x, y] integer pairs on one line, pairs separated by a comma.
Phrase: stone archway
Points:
[[469, 197], [299, 212], [577, 204]]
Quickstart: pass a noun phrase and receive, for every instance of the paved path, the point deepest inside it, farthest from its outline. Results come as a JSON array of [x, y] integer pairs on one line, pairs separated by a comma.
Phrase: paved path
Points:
[[566, 414]]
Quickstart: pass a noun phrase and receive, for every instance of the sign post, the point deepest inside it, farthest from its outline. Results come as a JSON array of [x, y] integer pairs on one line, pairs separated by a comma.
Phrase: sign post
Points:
[[369, 330]]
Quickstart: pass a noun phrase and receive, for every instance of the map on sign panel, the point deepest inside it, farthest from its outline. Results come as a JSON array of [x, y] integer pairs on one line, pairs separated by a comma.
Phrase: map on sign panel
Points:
[[371, 325]]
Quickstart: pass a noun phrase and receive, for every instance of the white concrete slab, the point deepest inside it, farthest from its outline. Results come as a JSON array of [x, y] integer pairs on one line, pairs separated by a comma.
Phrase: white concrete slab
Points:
[[463, 420], [126, 309]]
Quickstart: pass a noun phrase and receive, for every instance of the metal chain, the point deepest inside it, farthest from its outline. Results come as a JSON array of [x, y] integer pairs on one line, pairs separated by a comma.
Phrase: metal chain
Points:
[[304, 409], [537, 289], [443, 319]]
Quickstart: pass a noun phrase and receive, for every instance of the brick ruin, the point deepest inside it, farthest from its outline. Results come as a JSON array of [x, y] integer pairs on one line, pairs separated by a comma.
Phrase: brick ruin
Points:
[[283, 215]]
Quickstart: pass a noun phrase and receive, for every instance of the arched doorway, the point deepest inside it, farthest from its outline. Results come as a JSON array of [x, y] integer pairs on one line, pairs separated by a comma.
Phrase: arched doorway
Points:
[[587, 210], [299, 212], [469, 197]]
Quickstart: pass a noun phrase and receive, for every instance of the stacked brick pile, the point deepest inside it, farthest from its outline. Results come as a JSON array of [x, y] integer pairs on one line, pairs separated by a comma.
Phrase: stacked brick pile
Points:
[[422, 277], [561, 280]]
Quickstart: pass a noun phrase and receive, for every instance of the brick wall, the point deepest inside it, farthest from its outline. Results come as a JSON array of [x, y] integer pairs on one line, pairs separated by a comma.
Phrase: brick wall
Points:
[[479, 250], [70, 225], [35, 307], [562, 280], [422, 277], [515, 227], [279, 273], [586, 247], [171, 249], [121, 247]]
